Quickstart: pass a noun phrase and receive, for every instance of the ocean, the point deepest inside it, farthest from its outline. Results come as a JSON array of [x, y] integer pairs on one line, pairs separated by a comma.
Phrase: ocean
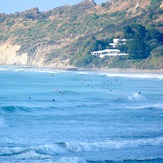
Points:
[[54, 116]]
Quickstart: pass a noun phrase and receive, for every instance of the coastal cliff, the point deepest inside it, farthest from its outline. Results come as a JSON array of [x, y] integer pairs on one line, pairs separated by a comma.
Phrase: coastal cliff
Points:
[[55, 38]]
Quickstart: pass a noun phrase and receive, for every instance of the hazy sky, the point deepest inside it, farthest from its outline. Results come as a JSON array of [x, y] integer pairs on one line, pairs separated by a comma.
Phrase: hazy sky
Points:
[[11, 6]]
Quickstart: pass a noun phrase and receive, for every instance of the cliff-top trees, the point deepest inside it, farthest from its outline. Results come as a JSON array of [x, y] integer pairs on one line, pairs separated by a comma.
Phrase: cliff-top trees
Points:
[[141, 40]]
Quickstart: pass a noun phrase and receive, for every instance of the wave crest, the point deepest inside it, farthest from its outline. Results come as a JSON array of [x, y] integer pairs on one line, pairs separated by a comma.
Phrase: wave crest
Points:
[[142, 160], [12, 109], [136, 97], [113, 144], [135, 75], [158, 106], [70, 160], [61, 149]]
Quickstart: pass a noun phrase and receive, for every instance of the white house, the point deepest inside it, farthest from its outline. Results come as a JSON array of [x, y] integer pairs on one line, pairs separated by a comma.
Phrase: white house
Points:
[[117, 41], [108, 53]]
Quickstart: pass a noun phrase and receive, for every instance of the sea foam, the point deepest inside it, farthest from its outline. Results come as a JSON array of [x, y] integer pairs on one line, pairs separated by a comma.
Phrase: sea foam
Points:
[[112, 144], [158, 106], [134, 75], [51, 71], [70, 160], [30, 69], [136, 97], [52, 151]]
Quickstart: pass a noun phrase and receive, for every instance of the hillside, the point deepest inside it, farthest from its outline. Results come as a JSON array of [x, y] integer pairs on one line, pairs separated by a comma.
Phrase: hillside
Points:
[[57, 38]]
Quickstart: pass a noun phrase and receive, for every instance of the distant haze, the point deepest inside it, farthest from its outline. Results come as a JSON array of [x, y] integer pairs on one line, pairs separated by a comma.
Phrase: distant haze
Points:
[[19, 5]]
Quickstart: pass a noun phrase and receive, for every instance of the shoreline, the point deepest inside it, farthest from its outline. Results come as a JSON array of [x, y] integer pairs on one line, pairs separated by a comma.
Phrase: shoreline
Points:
[[102, 70], [114, 70]]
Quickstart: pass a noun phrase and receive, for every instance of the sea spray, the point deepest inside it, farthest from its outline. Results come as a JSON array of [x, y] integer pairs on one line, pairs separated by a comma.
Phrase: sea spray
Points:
[[136, 97]]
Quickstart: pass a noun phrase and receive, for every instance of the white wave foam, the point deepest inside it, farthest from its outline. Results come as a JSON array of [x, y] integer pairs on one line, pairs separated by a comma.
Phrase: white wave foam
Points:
[[31, 155], [30, 69], [3, 69], [113, 144], [12, 151], [152, 106], [39, 152], [71, 160], [49, 151], [83, 73], [43, 151], [136, 97], [36, 70], [134, 75]]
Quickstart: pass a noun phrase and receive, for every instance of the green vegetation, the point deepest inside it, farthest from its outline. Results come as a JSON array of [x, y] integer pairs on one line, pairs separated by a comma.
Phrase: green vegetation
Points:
[[141, 44], [84, 58], [141, 41], [153, 2], [73, 32]]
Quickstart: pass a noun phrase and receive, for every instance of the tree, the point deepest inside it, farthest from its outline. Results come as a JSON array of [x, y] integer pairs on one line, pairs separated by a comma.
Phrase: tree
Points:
[[136, 44], [128, 32], [142, 40], [153, 2], [136, 48], [152, 33]]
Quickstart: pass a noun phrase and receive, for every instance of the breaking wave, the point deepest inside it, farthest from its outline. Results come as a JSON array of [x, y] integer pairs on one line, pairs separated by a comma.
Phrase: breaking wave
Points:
[[152, 106], [83, 73], [65, 147], [13, 109], [134, 75], [48, 70], [29, 69], [136, 97], [143, 160], [71, 160], [112, 144]]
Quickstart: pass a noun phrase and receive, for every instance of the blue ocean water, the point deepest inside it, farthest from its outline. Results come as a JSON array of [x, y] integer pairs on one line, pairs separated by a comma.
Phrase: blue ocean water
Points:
[[50, 116]]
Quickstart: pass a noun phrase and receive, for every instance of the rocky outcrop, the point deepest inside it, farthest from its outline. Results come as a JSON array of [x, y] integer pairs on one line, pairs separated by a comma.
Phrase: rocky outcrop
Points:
[[89, 1], [8, 54]]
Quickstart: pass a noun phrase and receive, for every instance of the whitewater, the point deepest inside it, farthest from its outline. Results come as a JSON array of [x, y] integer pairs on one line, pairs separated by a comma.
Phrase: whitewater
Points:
[[54, 116]]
